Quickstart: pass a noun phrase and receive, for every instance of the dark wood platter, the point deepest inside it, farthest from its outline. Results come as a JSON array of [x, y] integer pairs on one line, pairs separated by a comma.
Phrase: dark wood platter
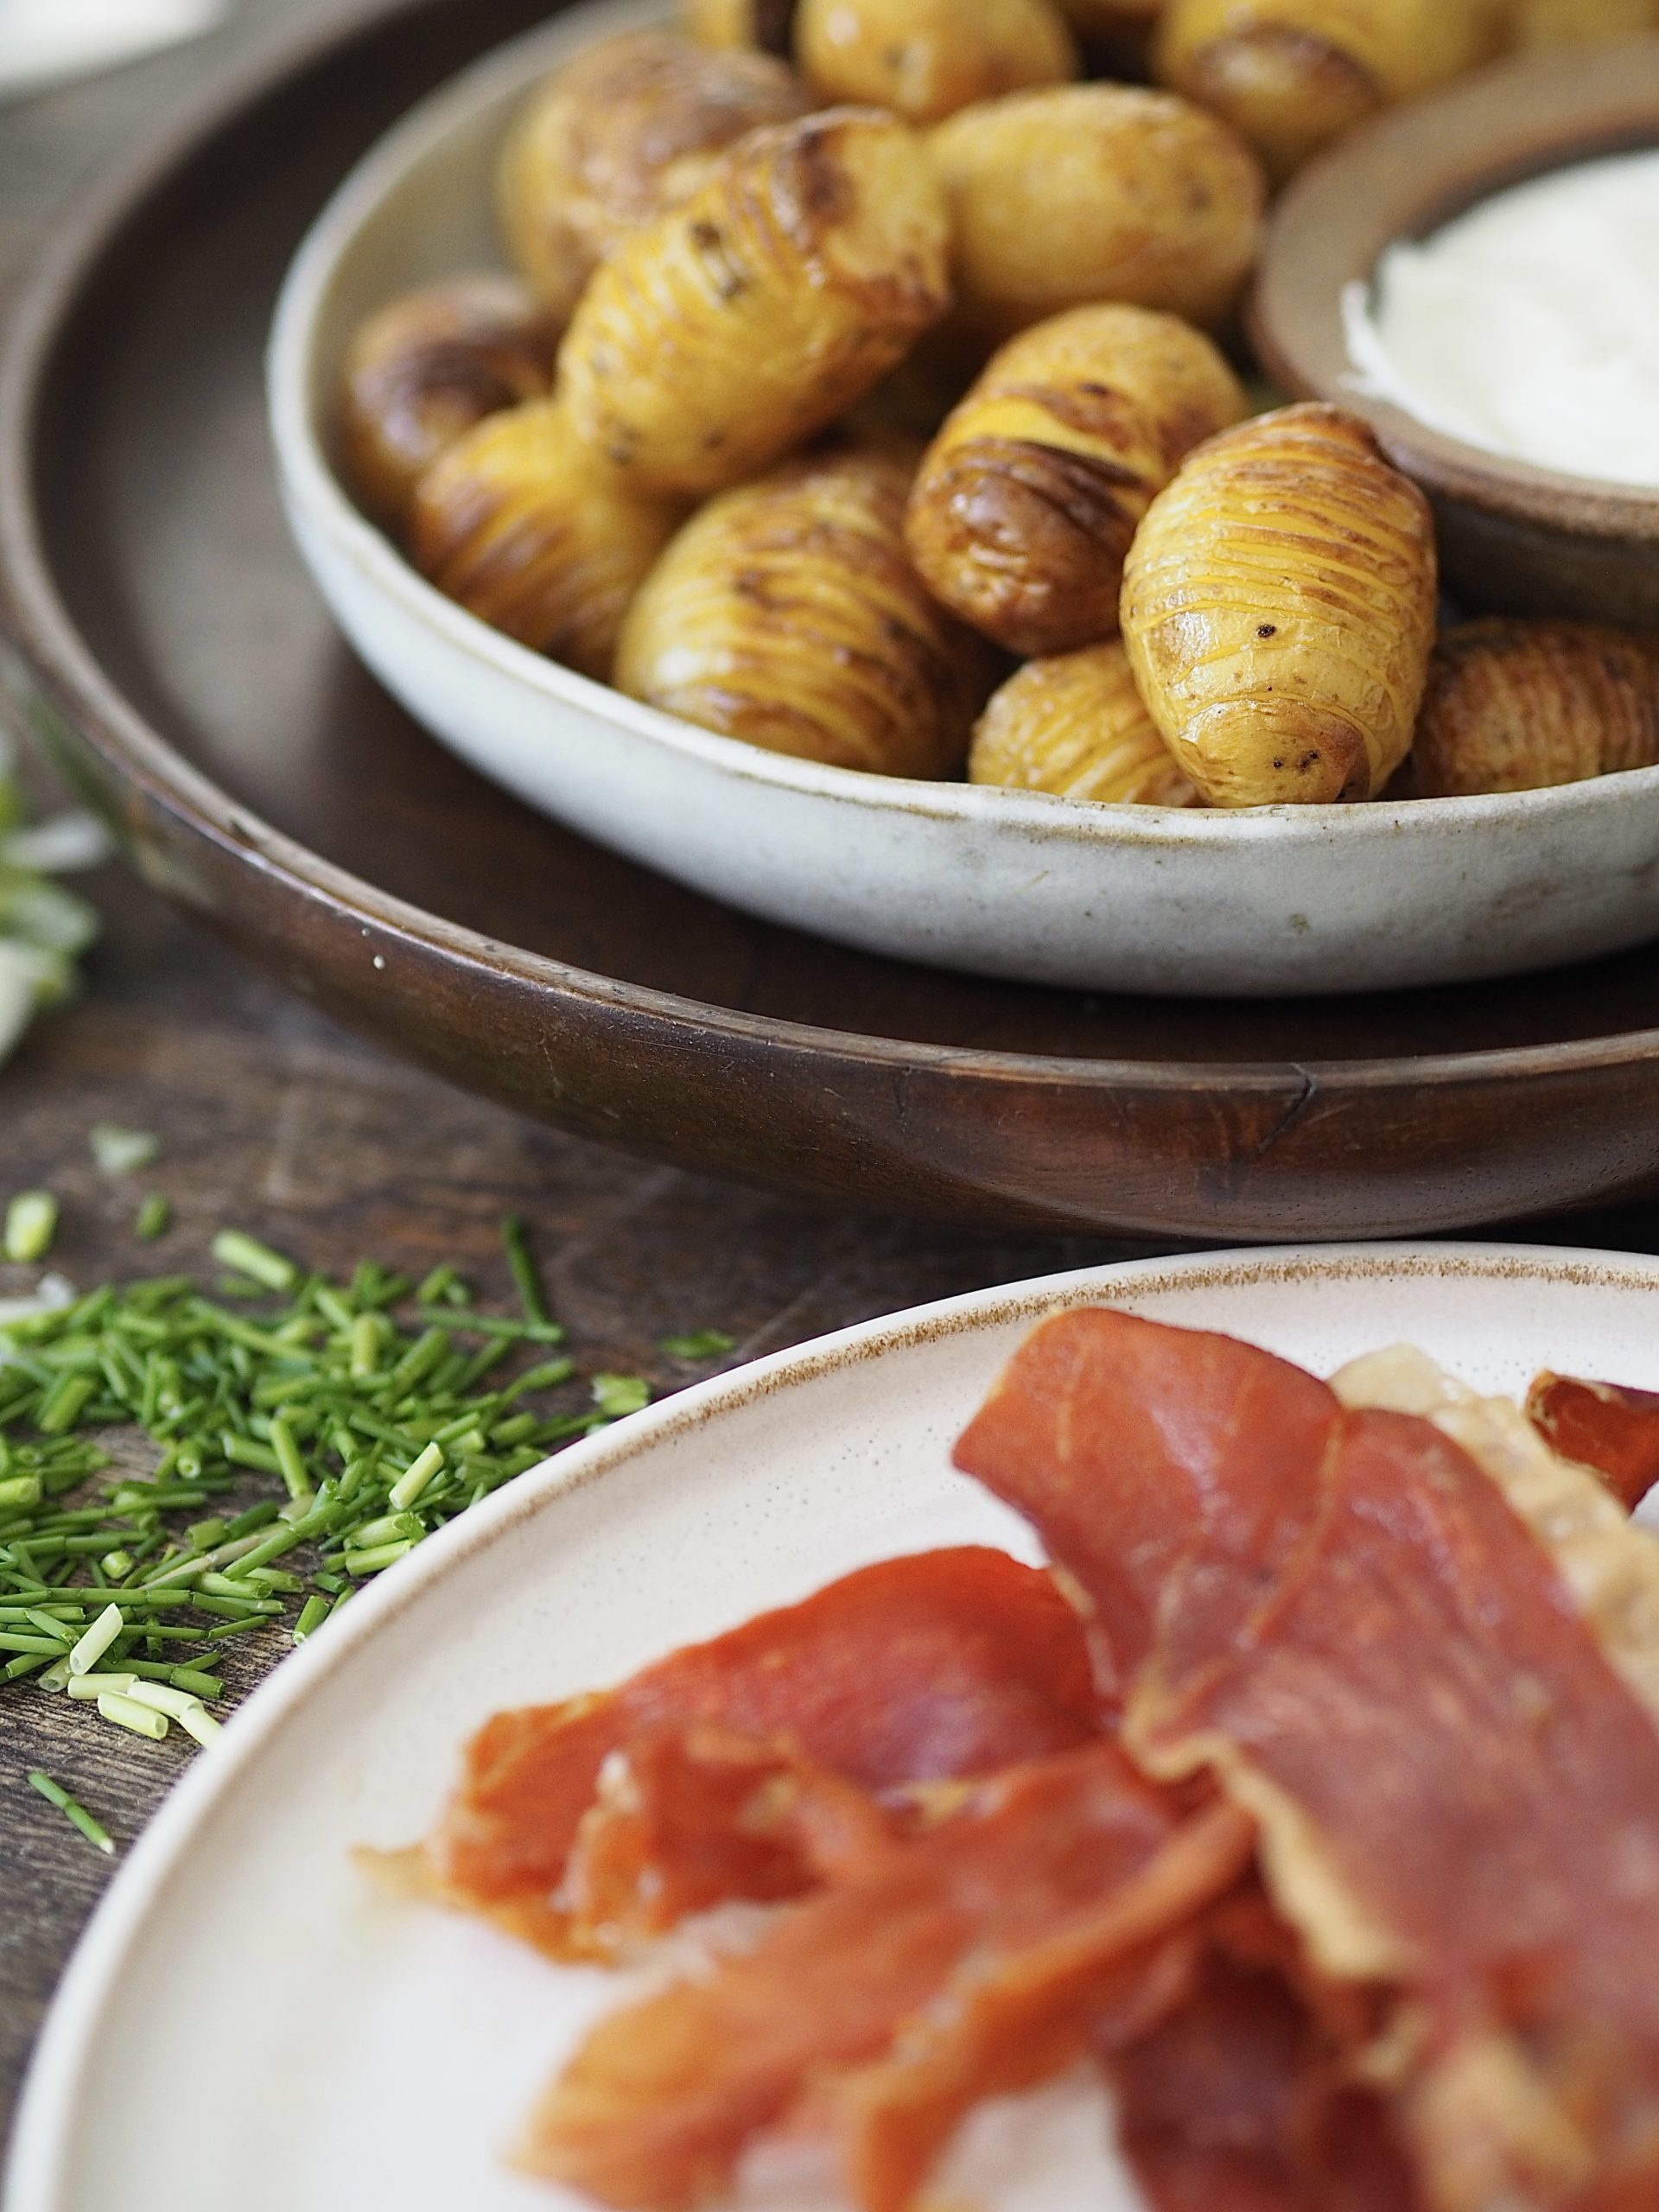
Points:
[[173, 655]]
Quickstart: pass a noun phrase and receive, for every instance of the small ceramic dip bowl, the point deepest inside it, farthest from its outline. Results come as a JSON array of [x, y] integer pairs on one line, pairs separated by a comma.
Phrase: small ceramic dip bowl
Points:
[[1514, 538]]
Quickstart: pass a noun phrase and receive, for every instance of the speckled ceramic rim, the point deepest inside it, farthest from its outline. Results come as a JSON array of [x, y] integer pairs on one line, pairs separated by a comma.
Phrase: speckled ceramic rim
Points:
[[313, 484], [159, 1860]]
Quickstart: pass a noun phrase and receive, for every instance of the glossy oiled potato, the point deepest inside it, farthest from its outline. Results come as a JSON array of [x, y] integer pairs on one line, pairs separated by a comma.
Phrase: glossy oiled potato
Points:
[[723, 334], [1580, 22], [1076, 726], [925, 58], [765, 24], [787, 612], [629, 127], [1279, 607], [1294, 75], [520, 525], [1097, 192], [1514, 706], [424, 370], [1026, 502]]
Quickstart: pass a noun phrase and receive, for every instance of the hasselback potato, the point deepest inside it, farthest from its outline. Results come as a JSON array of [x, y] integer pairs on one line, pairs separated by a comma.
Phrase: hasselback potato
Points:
[[629, 127], [1076, 726], [520, 525], [1293, 75], [1279, 607], [723, 334], [1097, 192], [787, 612], [925, 58], [1514, 706], [1026, 502], [768, 25], [425, 369]]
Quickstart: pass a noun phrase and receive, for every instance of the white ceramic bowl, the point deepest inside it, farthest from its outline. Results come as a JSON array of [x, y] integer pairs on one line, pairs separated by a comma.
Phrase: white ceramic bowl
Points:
[[1277, 899]]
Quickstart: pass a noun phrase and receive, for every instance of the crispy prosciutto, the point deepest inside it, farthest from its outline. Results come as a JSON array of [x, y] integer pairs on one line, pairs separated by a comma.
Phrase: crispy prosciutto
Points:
[[1339, 1615], [980, 1954], [917, 1671], [1604, 1426]]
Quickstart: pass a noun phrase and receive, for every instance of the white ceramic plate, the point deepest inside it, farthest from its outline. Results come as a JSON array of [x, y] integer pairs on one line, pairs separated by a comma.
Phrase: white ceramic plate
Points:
[[246, 2022], [1280, 899]]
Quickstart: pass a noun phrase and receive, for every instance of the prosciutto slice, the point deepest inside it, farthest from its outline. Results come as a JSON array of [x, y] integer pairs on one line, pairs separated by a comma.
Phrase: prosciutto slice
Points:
[[977, 1956], [1604, 1426], [1339, 1616], [919, 1670]]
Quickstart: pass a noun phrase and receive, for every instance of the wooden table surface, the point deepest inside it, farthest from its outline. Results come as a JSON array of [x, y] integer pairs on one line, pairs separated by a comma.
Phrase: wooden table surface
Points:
[[273, 1120]]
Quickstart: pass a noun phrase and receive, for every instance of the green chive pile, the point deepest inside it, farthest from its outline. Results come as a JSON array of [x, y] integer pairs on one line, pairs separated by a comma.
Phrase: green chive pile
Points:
[[365, 1414]]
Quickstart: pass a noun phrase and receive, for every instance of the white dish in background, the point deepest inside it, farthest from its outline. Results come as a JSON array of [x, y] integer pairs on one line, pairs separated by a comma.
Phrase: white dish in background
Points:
[[1298, 900], [247, 2022]]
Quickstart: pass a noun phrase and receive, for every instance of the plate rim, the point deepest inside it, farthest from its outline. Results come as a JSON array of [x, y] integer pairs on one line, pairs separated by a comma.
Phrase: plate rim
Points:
[[154, 781], [47, 2107]]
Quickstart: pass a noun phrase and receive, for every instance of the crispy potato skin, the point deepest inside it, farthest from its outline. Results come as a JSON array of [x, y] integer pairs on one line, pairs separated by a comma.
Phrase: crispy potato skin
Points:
[[787, 612], [925, 58], [1515, 706], [519, 524], [732, 329], [1292, 75], [768, 25], [422, 371], [1026, 502], [1088, 192], [632, 126], [1075, 725], [1579, 22], [1279, 608]]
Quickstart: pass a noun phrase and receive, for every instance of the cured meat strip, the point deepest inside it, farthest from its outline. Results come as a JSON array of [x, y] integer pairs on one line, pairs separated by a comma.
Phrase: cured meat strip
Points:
[[951, 1963], [948, 1664], [1458, 1796], [1604, 1426]]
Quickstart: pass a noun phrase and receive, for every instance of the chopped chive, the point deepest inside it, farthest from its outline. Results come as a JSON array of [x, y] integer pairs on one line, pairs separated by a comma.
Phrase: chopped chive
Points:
[[289, 1464], [63, 1403], [119, 1150], [313, 1613], [96, 1642], [378, 1557], [197, 1681], [163, 1697], [617, 1395], [89, 1688], [155, 1219], [31, 1225], [522, 1263], [55, 1793], [127, 1713], [197, 1721], [256, 1261], [699, 1344], [19, 1490], [410, 1484]]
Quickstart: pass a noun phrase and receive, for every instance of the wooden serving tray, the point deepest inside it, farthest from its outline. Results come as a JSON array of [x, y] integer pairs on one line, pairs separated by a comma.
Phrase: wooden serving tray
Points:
[[171, 651]]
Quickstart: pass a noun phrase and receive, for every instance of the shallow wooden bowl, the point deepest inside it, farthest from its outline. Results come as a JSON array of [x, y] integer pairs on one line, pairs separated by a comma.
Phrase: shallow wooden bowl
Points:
[[1513, 539]]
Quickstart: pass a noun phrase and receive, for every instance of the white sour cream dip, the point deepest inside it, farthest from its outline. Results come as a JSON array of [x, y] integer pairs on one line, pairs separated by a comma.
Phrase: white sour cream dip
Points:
[[1530, 326]]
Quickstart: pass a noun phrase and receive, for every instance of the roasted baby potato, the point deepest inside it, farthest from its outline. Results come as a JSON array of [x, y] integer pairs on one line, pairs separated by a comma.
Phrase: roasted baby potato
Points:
[[523, 527], [1580, 22], [631, 126], [1293, 75], [1097, 192], [424, 370], [1514, 706], [787, 612], [1279, 606], [925, 58], [1075, 725], [1025, 503], [768, 25], [731, 329]]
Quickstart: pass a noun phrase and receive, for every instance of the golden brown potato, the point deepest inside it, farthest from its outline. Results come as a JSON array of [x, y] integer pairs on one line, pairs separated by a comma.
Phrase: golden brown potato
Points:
[[629, 127], [425, 369], [1279, 610], [1579, 22], [1098, 192], [787, 612], [733, 328], [925, 58], [1075, 725], [520, 525], [1514, 706], [1293, 75], [765, 24], [1026, 502]]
